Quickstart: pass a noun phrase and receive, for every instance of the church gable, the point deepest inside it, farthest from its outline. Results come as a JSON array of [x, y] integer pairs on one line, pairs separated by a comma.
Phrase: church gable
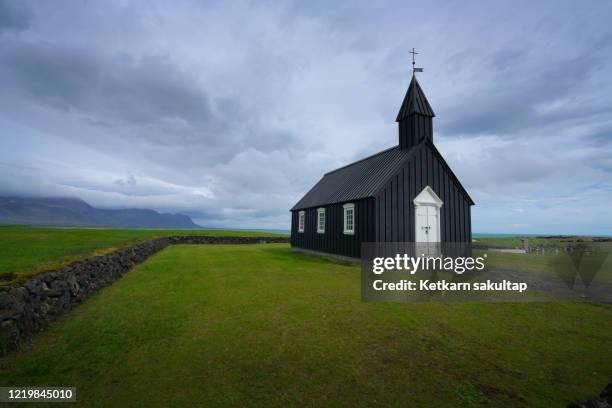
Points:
[[395, 207], [450, 172], [429, 164]]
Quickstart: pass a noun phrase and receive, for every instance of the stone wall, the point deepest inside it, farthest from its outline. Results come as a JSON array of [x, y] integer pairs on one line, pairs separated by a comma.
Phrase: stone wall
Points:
[[33, 305], [603, 401]]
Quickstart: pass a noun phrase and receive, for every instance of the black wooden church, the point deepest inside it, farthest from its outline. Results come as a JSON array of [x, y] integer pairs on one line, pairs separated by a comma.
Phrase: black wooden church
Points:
[[406, 193]]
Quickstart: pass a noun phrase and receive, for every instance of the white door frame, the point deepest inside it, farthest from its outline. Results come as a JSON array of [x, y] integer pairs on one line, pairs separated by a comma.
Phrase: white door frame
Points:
[[427, 197]]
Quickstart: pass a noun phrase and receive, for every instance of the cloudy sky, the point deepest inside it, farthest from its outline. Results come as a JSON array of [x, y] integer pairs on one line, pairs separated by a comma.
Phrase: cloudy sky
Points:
[[230, 111]]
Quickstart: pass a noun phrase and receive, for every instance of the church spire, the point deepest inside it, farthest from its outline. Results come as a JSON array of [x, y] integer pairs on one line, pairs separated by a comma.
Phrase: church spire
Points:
[[415, 102], [414, 117]]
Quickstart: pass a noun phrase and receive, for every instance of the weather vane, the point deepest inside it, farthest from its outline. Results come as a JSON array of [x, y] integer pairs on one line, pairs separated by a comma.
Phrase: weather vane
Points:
[[414, 69]]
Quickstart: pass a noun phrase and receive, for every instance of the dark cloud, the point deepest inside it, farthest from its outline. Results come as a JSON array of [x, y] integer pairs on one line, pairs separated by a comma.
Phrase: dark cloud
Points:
[[601, 134], [135, 97], [517, 96], [14, 16], [116, 90]]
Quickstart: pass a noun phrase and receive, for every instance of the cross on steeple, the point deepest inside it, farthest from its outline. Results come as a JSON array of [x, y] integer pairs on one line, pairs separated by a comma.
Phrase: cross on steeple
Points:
[[414, 69], [413, 52]]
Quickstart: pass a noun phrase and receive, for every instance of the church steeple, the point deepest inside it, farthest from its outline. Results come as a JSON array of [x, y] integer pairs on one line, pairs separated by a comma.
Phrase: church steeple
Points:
[[414, 117]]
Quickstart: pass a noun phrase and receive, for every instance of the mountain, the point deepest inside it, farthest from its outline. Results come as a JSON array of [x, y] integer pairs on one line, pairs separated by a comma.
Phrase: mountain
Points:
[[74, 212]]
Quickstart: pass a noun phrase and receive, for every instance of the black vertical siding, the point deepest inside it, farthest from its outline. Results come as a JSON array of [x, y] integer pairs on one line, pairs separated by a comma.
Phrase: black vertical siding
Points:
[[400, 206], [389, 216], [334, 240], [411, 214], [413, 129], [396, 218]]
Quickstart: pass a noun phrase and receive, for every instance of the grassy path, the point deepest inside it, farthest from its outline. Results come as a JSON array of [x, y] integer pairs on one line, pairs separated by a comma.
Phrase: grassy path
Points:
[[260, 326]]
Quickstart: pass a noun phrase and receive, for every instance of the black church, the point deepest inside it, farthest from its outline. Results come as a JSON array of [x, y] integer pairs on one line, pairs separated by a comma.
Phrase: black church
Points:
[[406, 193]]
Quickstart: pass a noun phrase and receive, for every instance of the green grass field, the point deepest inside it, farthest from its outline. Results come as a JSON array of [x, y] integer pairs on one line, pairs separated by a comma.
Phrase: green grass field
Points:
[[504, 241], [258, 325], [26, 251]]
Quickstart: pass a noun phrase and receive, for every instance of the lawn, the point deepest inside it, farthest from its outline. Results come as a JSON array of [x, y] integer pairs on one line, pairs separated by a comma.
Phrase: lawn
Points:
[[26, 251], [257, 325]]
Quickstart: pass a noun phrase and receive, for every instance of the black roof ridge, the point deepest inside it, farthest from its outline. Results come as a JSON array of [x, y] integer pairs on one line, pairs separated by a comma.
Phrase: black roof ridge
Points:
[[361, 160]]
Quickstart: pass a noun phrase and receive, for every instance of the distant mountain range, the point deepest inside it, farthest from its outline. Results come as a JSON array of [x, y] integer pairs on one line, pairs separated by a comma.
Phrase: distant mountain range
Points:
[[74, 212]]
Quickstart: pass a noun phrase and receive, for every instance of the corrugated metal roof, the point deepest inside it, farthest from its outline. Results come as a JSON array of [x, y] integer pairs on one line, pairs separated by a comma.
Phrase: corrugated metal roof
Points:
[[414, 102], [365, 177], [357, 180]]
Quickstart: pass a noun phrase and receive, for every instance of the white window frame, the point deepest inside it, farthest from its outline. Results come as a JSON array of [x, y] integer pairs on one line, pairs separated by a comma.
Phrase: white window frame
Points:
[[301, 221], [346, 208], [320, 211]]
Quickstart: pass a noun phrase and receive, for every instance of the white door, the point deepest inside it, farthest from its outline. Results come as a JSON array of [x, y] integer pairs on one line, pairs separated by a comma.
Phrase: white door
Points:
[[427, 223]]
